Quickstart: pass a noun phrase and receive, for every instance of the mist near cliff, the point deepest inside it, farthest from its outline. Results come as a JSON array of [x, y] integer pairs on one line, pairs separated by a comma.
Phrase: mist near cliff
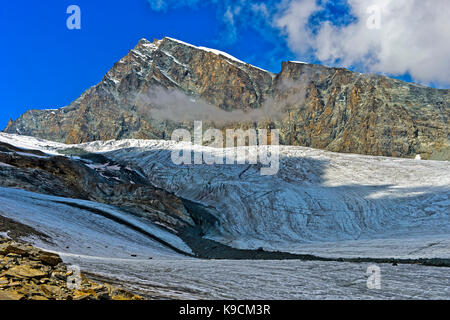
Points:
[[175, 105]]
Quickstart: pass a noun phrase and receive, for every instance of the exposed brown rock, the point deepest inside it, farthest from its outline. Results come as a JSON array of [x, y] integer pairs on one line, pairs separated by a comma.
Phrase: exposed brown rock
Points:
[[26, 277], [49, 258], [24, 272], [6, 249]]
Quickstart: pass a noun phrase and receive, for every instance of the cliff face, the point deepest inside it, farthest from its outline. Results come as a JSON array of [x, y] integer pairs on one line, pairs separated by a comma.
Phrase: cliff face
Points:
[[366, 114], [153, 90]]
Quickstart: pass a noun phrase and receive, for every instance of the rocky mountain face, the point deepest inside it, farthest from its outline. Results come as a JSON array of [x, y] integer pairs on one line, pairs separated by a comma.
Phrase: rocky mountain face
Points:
[[167, 84]]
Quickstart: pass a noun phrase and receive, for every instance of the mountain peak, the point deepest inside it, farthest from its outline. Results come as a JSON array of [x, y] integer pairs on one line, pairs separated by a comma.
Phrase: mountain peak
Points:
[[162, 85]]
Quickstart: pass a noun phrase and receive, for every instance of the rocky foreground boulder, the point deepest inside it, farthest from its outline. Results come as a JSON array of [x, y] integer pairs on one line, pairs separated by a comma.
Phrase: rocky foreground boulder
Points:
[[167, 84], [27, 273]]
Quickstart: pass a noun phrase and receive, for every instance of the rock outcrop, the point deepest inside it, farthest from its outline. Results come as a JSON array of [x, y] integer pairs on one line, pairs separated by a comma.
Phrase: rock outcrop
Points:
[[27, 273], [335, 109]]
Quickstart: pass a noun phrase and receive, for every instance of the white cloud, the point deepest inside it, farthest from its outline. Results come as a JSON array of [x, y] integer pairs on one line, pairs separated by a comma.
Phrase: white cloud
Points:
[[293, 19], [231, 13], [414, 37]]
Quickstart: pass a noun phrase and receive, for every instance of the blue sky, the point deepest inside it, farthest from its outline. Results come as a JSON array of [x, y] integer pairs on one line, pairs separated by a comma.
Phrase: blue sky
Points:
[[46, 65]]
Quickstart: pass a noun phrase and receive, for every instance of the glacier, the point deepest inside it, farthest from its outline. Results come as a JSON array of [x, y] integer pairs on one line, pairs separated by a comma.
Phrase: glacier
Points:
[[321, 203], [371, 206]]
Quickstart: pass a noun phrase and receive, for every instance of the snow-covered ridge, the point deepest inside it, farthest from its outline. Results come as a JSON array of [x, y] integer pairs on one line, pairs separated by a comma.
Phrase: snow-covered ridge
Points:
[[215, 51], [299, 62], [32, 143]]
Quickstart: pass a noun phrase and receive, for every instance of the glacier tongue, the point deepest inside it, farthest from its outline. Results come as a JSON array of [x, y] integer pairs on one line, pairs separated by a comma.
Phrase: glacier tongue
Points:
[[317, 196]]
